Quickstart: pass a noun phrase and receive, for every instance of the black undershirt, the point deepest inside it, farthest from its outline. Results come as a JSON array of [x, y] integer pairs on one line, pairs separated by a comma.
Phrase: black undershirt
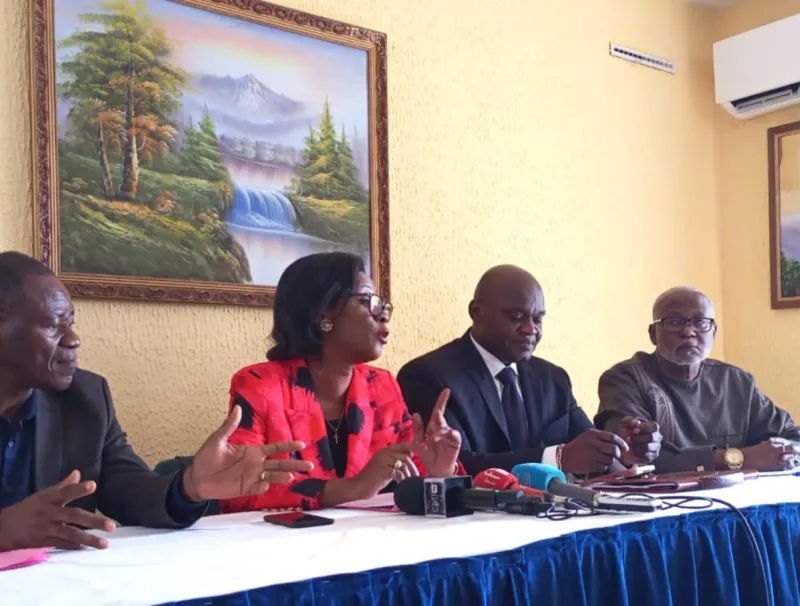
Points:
[[338, 451]]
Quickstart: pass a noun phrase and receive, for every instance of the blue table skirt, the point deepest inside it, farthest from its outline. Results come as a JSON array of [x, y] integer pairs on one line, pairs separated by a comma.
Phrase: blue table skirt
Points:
[[702, 559]]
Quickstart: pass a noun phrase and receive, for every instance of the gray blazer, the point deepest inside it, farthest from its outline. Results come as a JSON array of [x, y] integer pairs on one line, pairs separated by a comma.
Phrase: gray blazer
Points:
[[78, 429]]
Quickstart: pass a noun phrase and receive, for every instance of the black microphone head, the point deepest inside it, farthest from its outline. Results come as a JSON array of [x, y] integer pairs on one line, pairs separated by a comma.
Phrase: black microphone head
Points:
[[409, 496]]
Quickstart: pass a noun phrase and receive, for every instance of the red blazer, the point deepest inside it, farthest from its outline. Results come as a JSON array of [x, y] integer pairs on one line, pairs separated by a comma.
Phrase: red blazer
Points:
[[278, 404]]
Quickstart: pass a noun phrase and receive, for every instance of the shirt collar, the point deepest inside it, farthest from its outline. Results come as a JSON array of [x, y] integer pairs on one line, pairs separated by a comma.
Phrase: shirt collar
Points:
[[28, 410], [492, 362]]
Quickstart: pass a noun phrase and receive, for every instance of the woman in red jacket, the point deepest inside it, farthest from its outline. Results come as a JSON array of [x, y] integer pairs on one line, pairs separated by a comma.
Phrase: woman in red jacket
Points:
[[317, 387]]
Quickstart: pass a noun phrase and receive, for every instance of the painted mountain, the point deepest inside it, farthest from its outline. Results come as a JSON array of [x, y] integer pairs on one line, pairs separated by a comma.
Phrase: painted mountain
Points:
[[246, 107]]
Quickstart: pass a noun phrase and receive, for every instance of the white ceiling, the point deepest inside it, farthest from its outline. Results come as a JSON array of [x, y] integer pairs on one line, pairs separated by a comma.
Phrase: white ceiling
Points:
[[717, 3]]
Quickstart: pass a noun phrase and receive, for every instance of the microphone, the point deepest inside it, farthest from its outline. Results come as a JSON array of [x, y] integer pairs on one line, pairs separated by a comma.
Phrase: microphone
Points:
[[449, 497], [553, 481], [500, 479]]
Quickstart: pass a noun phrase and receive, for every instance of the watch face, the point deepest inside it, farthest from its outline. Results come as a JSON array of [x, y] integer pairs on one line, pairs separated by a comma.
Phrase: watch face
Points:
[[734, 457]]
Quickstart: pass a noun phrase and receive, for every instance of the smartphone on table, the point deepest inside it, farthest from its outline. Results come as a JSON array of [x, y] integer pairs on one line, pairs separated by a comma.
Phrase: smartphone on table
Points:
[[297, 519]]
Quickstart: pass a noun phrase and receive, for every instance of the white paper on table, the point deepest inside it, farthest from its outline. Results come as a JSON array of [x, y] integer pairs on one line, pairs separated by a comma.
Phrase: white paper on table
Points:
[[381, 502]]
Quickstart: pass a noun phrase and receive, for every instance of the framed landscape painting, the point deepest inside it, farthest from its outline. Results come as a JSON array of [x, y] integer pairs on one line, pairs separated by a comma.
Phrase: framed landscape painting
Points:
[[784, 214], [189, 150]]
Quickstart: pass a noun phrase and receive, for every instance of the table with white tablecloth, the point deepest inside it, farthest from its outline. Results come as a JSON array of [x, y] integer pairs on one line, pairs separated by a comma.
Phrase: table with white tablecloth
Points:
[[392, 558]]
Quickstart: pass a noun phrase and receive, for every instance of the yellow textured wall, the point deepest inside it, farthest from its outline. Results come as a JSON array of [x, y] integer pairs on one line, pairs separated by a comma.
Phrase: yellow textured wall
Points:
[[514, 138], [762, 340]]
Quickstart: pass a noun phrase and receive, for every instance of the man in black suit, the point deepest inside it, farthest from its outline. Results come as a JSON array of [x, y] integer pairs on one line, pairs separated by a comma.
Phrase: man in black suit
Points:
[[511, 407], [63, 454]]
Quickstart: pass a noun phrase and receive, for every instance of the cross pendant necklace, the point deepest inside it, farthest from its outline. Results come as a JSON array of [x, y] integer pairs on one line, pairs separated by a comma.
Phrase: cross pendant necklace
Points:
[[335, 429]]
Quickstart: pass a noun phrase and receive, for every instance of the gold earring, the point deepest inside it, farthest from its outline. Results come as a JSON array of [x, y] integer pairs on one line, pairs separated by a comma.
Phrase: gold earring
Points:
[[325, 325]]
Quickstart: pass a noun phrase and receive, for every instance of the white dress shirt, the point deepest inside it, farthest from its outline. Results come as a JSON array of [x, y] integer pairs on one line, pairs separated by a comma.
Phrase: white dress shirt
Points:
[[494, 365]]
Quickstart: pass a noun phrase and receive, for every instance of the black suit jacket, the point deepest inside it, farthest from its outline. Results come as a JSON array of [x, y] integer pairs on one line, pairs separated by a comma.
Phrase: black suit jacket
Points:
[[78, 429], [474, 407]]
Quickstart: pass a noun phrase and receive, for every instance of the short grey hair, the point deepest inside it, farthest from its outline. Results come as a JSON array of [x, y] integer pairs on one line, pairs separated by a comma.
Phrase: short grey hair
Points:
[[674, 291]]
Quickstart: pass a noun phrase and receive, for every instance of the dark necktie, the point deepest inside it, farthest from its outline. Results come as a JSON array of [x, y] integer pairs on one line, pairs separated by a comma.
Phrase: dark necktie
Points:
[[516, 417]]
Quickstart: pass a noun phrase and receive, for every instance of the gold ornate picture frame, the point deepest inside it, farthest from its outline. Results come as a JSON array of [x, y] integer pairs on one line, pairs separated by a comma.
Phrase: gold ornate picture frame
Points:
[[784, 214]]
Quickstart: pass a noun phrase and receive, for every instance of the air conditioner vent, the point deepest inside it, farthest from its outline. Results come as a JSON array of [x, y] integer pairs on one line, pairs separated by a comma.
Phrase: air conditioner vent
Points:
[[768, 98], [634, 56]]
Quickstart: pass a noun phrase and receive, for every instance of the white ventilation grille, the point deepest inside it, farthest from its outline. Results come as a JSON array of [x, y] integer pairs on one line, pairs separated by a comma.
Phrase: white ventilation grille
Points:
[[634, 56]]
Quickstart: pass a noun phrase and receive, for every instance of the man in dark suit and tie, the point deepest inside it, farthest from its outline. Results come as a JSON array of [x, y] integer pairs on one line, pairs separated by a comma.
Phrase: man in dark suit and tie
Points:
[[63, 454], [511, 407]]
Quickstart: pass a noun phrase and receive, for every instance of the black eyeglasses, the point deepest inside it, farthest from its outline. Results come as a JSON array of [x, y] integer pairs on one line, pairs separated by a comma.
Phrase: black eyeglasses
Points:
[[678, 324], [375, 304]]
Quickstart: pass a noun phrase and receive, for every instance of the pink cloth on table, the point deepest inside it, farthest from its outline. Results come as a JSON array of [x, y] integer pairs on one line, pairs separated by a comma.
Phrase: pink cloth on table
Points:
[[22, 557]]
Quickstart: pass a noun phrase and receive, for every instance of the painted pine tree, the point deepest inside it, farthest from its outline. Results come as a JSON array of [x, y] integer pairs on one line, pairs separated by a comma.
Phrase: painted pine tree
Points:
[[328, 171], [201, 155]]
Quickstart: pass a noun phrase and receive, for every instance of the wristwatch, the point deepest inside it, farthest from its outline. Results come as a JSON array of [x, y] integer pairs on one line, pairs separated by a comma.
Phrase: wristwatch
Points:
[[734, 458]]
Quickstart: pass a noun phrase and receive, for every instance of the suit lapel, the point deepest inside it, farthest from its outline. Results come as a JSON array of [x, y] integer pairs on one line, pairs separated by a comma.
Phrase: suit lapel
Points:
[[484, 381], [360, 421], [305, 420], [48, 441]]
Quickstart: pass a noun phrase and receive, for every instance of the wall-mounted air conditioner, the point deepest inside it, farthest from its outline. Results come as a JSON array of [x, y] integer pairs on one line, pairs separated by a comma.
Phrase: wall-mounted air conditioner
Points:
[[758, 71]]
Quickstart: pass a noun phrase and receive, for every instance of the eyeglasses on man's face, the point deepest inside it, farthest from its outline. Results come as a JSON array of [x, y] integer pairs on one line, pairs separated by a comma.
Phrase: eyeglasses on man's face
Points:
[[674, 324], [376, 305]]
